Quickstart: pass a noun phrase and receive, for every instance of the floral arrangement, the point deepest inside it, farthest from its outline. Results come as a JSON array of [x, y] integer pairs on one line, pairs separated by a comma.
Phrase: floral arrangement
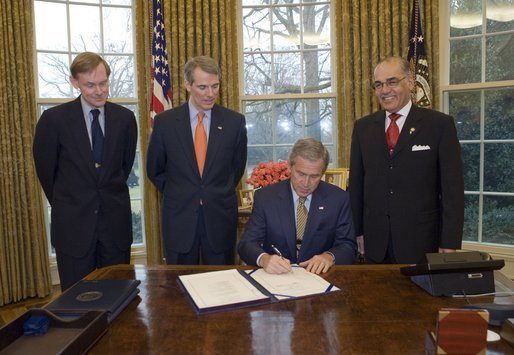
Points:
[[269, 173]]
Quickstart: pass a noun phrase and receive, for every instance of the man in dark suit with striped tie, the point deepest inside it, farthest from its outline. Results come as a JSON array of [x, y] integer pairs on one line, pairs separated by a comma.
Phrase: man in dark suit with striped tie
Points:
[[83, 152], [302, 220], [406, 182]]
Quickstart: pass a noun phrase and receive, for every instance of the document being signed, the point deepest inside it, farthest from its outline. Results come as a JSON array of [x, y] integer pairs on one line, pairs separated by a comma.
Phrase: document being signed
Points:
[[297, 283], [229, 289]]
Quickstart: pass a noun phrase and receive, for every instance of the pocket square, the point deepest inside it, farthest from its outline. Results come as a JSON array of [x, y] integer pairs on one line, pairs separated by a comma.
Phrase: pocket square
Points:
[[416, 148]]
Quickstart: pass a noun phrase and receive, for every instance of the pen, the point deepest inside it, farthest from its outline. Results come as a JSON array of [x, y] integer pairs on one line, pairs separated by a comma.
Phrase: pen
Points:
[[276, 250]]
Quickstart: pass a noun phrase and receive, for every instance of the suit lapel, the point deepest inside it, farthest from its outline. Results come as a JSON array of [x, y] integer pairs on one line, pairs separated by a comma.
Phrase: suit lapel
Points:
[[409, 130], [378, 130], [285, 212], [185, 136], [78, 129], [111, 133]]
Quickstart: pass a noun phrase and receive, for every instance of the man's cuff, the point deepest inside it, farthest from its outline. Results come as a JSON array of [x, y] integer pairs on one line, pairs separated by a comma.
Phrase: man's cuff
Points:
[[259, 260], [333, 257]]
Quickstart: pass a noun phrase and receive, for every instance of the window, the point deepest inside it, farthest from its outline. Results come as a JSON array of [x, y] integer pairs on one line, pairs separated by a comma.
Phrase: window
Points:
[[65, 28], [479, 94], [288, 90]]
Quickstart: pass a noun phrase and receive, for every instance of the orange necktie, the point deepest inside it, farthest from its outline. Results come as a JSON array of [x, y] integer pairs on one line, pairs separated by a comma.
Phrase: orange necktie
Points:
[[393, 132], [200, 142]]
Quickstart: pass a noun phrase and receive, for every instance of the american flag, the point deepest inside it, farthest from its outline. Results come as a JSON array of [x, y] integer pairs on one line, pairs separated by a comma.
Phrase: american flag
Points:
[[160, 73], [418, 59]]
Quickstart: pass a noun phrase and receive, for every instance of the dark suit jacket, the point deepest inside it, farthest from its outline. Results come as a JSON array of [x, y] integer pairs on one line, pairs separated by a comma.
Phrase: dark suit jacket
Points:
[[65, 167], [172, 167], [418, 192], [329, 225]]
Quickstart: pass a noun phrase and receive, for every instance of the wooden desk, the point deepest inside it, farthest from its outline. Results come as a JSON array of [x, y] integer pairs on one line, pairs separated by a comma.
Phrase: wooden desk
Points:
[[378, 311]]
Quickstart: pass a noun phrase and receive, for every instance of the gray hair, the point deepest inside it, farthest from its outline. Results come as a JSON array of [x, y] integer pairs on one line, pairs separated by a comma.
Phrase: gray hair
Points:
[[309, 149], [404, 63], [207, 64]]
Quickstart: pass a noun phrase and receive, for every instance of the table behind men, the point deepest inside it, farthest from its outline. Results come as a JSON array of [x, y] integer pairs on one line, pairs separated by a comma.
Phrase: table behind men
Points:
[[378, 311]]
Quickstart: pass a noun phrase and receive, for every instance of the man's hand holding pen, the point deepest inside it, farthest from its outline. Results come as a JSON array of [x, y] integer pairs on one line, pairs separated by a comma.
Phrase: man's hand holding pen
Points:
[[276, 263]]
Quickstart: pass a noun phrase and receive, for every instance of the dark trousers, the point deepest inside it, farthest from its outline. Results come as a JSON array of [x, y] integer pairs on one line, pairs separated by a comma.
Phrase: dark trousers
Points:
[[103, 252], [389, 257], [201, 252]]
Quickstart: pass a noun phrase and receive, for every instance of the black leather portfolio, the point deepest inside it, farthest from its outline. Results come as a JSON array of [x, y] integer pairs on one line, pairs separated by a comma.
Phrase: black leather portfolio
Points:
[[111, 296]]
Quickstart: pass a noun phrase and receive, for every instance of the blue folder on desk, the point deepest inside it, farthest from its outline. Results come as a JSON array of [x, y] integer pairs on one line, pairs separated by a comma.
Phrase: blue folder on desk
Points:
[[111, 296]]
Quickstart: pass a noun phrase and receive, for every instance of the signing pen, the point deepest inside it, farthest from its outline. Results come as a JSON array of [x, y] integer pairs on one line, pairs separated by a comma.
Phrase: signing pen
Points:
[[276, 250]]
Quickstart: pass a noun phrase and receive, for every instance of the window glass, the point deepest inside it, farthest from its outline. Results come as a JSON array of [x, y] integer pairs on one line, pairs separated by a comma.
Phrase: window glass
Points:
[[465, 61], [52, 33], [498, 220], [465, 108], [287, 90], [471, 214]]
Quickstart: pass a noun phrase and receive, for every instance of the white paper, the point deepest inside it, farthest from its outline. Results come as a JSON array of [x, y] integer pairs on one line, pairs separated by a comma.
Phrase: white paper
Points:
[[219, 288], [297, 283]]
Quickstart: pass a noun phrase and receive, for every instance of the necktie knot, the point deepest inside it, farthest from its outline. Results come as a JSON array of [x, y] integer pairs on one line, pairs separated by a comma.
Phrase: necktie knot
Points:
[[394, 116], [201, 114], [96, 113]]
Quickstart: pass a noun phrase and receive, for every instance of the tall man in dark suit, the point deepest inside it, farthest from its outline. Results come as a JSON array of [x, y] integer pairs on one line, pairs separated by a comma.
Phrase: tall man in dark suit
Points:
[[83, 152], [196, 157], [302, 220], [406, 183]]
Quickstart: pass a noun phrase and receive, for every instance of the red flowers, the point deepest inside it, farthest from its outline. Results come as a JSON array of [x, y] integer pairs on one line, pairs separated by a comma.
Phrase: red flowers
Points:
[[269, 173]]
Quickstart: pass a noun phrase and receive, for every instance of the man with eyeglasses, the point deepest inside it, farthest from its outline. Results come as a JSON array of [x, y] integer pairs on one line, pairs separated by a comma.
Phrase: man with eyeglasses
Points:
[[84, 151], [406, 182]]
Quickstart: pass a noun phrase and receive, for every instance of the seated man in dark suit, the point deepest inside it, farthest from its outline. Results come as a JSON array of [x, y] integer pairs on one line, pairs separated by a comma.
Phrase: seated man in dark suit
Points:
[[302, 221]]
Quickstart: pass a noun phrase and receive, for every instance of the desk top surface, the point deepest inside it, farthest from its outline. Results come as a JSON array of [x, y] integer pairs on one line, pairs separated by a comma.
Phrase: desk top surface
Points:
[[378, 311]]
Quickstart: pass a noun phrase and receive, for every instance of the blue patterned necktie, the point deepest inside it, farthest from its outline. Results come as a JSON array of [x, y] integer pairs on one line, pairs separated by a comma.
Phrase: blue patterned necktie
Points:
[[97, 138]]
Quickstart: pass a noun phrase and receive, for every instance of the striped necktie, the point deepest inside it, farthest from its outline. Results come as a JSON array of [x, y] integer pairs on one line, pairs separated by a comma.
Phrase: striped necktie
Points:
[[301, 220]]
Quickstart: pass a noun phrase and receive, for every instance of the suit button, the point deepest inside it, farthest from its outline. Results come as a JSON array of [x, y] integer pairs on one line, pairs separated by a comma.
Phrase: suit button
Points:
[[96, 212], [391, 166], [391, 191]]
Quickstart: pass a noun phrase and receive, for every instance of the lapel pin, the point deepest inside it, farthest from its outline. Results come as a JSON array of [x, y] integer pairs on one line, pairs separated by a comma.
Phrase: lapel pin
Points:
[[220, 128], [321, 208], [412, 130]]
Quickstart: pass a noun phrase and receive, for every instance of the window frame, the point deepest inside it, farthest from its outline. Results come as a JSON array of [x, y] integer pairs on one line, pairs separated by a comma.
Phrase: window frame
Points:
[[333, 146], [445, 88]]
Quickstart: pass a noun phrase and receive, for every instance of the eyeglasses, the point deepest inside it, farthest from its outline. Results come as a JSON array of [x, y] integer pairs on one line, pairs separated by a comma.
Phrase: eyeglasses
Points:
[[392, 83]]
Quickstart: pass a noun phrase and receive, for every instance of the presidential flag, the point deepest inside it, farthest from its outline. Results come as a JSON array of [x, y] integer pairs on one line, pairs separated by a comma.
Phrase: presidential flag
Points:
[[418, 59], [160, 73]]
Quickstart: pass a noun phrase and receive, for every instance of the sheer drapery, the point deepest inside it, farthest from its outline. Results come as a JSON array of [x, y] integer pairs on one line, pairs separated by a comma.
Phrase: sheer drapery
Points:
[[196, 27], [24, 266], [368, 31]]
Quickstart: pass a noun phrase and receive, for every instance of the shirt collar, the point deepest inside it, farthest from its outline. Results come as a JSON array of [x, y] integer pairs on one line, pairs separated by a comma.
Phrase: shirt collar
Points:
[[404, 111]]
